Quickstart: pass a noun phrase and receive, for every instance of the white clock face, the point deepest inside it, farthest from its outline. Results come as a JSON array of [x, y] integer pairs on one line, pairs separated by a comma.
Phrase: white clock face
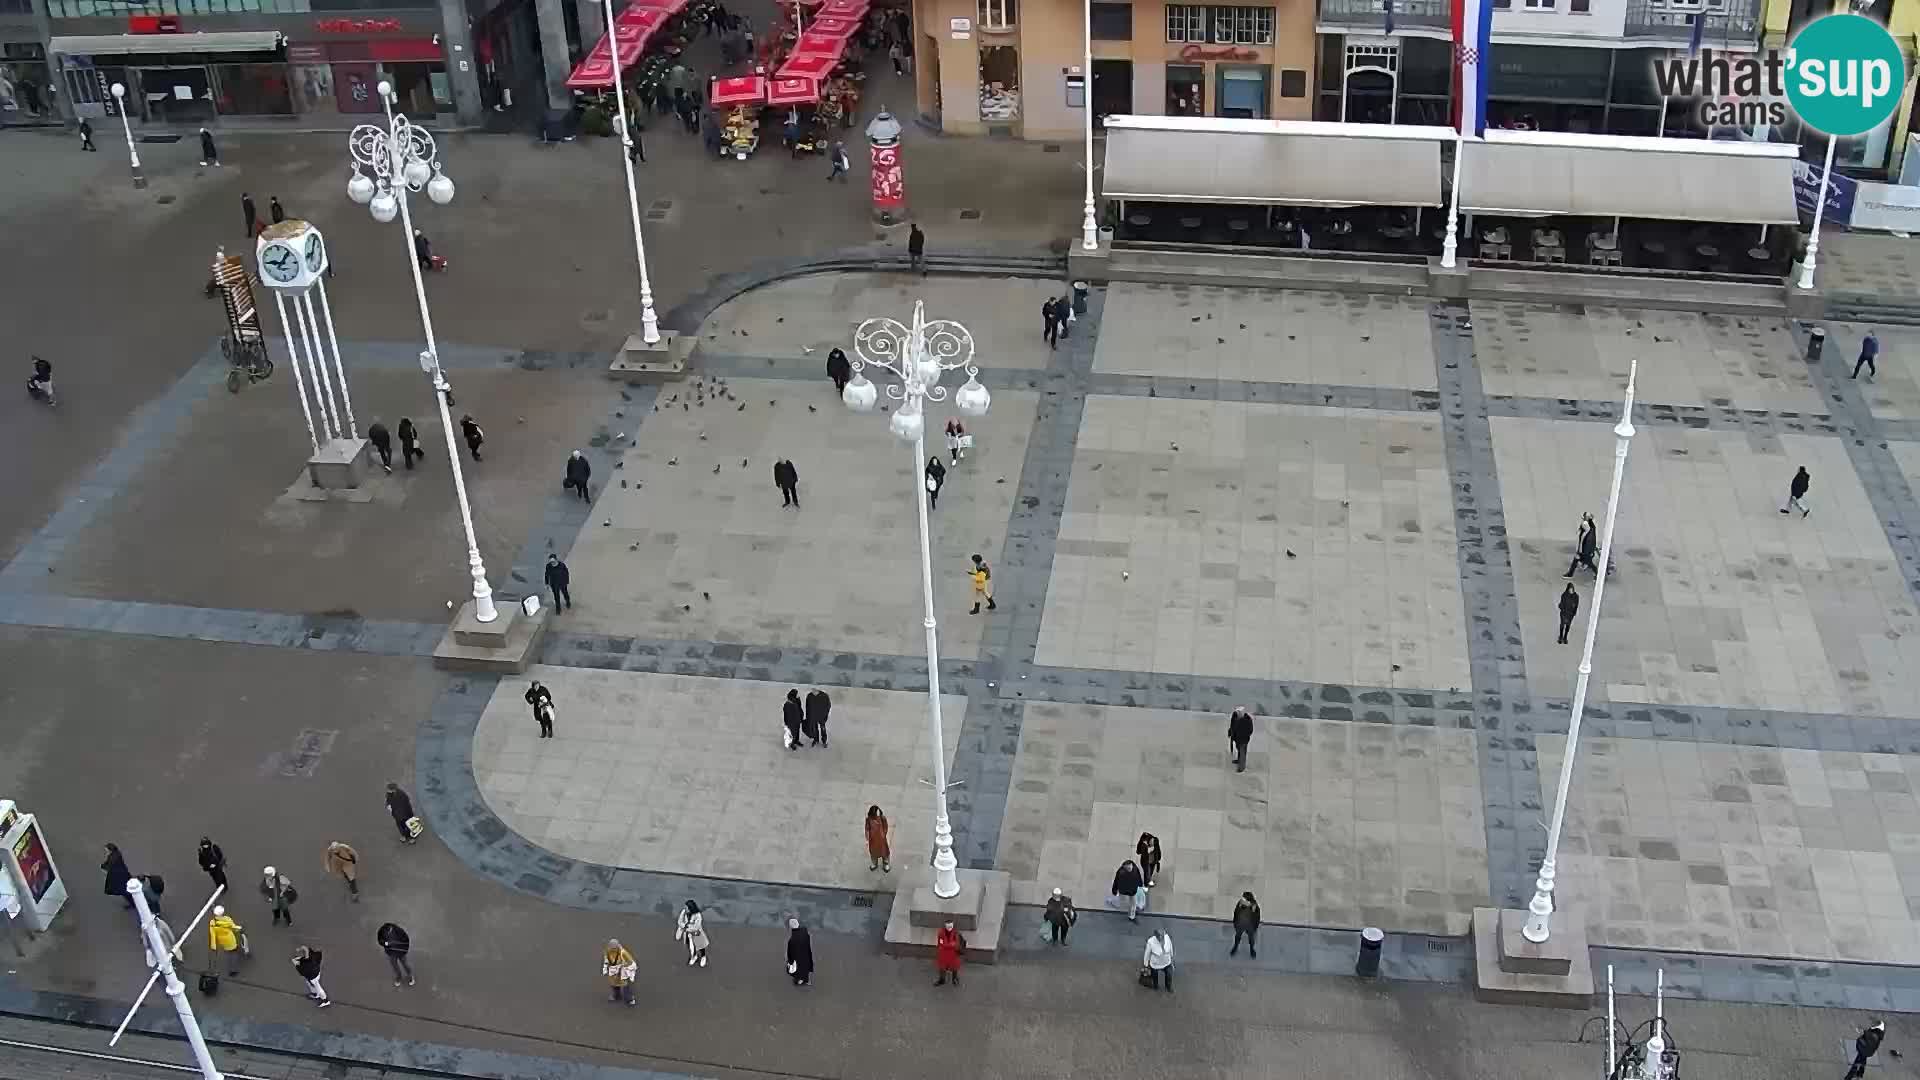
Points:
[[313, 252], [280, 262]]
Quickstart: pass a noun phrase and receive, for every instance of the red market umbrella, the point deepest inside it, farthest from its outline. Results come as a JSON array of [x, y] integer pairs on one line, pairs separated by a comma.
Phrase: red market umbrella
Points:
[[669, 7], [646, 18], [811, 68], [812, 44], [833, 26], [741, 90], [793, 92], [844, 9]]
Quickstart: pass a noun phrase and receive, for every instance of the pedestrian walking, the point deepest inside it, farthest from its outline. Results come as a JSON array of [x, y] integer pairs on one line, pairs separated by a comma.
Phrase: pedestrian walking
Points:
[[1865, 1046], [838, 369], [306, 961], [949, 947], [1569, 607], [1869, 350], [579, 472], [115, 866], [395, 943], [1130, 889], [917, 248], [401, 809], [1797, 492], [787, 479], [343, 861], [1063, 312], [382, 443], [558, 577], [86, 143], [252, 215], [840, 163], [154, 886], [279, 892], [692, 929], [422, 251], [213, 861], [878, 850], [1586, 547], [1059, 917], [894, 54], [1239, 734], [794, 716], [541, 700], [936, 478], [1156, 964], [799, 954], [209, 153], [818, 705], [1050, 315], [224, 936], [982, 577], [470, 430], [409, 442], [274, 210], [1148, 848], [618, 965], [1246, 924], [958, 441]]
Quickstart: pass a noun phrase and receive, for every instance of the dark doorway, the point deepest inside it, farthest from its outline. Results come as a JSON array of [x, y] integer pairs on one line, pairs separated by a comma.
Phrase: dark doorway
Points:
[[1370, 98], [1112, 89]]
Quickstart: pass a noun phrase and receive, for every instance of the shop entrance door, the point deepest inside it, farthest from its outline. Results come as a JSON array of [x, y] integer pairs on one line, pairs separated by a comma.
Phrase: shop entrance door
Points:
[[1242, 91], [172, 95], [1112, 89]]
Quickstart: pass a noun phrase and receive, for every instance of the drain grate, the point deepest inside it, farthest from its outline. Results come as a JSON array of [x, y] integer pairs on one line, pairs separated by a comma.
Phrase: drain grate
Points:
[[159, 138], [1050, 148], [863, 901], [969, 215]]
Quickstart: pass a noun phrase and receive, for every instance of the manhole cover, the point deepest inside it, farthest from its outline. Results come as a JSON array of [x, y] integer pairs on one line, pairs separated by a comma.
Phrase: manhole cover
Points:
[[659, 206], [164, 199], [598, 316], [1050, 148], [656, 215], [969, 215], [159, 138]]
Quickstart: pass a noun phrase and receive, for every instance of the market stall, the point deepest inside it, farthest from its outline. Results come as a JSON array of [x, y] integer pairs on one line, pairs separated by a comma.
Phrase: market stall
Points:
[[736, 105], [851, 10]]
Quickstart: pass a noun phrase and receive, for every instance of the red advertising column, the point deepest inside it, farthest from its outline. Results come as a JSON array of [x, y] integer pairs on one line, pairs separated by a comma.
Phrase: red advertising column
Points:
[[889, 182]]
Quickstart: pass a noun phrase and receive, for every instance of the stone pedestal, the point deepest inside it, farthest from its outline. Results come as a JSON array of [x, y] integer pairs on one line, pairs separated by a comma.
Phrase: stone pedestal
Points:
[[1092, 266], [979, 913], [504, 646], [341, 463], [1806, 305], [1510, 970], [663, 361], [1449, 282]]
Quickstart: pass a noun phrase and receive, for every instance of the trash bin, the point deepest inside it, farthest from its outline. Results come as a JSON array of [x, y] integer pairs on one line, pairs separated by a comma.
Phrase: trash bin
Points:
[[1368, 964], [1080, 298], [1816, 344]]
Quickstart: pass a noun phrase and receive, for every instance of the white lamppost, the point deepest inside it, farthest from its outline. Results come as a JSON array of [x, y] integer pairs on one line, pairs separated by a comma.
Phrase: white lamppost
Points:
[[1819, 212], [1540, 910], [1089, 225], [1450, 247], [918, 356], [162, 951], [401, 157], [133, 156], [649, 322]]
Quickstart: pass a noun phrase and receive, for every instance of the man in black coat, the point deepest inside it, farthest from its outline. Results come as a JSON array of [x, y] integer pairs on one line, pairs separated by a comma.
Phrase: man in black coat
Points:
[[818, 705], [252, 215], [1864, 1047], [410, 441], [792, 715], [838, 369], [787, 479], [1586, 547], [213, 861], [275, 210], [579, 471], [1050, 314], [1569, 607], [383, 443], [542, 701], [1797, 491], [917, 248], [558, 578], [1239, 734]]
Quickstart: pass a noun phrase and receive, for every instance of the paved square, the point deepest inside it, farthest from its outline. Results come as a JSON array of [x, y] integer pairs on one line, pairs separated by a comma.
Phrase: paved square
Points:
[[1266, 335], [1333, 823], [1892, 391], [1692, 846], [1276, 542], [1719, 598], [1686, 358], [818, 312], [687, 775], [691, 554]]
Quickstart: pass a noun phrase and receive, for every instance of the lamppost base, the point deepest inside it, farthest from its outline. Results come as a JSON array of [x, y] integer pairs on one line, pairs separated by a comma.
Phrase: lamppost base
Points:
[[1510, 970], [139, 180], [663, 361], [504, 646], [979, 912], [339, 464]]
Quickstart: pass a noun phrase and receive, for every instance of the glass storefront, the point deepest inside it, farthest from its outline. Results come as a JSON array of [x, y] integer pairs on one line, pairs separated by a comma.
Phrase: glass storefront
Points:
[[179, 91], [1243, 91], [23, 84]]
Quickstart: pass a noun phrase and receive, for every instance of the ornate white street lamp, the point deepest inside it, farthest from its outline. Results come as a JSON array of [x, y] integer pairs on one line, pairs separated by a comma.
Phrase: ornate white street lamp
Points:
[[401, 158], [1819, 213], [133, 156], [1089, 225], [649, 322], [918, 356]]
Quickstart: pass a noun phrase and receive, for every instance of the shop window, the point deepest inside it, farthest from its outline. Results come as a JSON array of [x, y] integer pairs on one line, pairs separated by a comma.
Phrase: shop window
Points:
[[999, 84], [1186, 22], [999, 14], [1580, 7], [16, 7], [1242, 92], [1186, 90], [1293, 83], [1111, 22]]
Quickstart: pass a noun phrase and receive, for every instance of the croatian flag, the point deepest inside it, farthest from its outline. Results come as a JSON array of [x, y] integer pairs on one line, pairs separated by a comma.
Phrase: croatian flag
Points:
[[1472, 49]]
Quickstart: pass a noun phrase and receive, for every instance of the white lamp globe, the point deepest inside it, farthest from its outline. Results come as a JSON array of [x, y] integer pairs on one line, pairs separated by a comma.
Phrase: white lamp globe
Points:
[[906, 426], [384, 207], [360, 188], [928, 372], [119, 89], [972, 398], [385, 89], [440, 189], [860, 395], [416, 173]]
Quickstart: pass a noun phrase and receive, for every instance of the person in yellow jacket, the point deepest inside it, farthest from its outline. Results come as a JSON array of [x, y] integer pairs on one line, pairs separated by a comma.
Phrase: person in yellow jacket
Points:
[[226, 936], [982, 576], [616, 963]]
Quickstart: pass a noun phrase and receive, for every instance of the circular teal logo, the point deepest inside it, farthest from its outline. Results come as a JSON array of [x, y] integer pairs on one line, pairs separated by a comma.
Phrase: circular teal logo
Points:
[[1845, 75]]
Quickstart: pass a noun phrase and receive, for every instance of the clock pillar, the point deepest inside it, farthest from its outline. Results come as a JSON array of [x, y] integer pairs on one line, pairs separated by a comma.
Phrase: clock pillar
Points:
[[293, 263]]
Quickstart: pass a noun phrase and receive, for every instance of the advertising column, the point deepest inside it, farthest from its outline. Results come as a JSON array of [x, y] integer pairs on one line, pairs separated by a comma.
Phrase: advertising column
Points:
[[36, 884], [889, 181]]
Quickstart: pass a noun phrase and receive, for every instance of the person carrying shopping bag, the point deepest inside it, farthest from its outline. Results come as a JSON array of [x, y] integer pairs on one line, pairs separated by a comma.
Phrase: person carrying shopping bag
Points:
[[691, 928], [617, 964], [226, 936]]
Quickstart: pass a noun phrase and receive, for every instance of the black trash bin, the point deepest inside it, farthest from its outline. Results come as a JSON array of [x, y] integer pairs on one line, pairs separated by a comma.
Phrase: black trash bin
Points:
[[1368, 964], [1816, 344], [1080, 297]]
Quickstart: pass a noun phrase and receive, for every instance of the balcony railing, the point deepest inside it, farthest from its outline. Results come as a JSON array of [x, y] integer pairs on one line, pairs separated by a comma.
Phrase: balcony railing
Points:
[[1372, 14], [1739, 23]]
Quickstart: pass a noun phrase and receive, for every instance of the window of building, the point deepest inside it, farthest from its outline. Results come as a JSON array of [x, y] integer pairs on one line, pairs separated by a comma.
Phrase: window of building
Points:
[[1220, 24], [1293, 83], [1539, 5], [1580, 7], [999, 14], [1502, 5], [1186, 90], [1111, 22], [1186, 22], [16, 7]]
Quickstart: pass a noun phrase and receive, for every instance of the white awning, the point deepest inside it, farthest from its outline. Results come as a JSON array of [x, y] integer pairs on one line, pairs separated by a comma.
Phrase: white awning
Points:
[[1272, 162], [1536, 173], [230, 41]]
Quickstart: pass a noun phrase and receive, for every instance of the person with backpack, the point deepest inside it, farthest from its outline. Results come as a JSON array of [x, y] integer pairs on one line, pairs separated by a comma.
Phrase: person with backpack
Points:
[[278, 890], [409, 441], [470, 430], [1059, 917]]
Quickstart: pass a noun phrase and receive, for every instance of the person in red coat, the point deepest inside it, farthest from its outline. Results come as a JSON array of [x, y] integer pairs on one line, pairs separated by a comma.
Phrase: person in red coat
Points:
[[948, 948]]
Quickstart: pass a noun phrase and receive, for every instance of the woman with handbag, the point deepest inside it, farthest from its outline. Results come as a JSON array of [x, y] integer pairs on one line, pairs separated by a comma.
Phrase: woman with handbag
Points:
[[799, 954], [1149, 851], [957, 440], [692, 929], [936, 476], [401, 808], [1157, 962], [617, 964]]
